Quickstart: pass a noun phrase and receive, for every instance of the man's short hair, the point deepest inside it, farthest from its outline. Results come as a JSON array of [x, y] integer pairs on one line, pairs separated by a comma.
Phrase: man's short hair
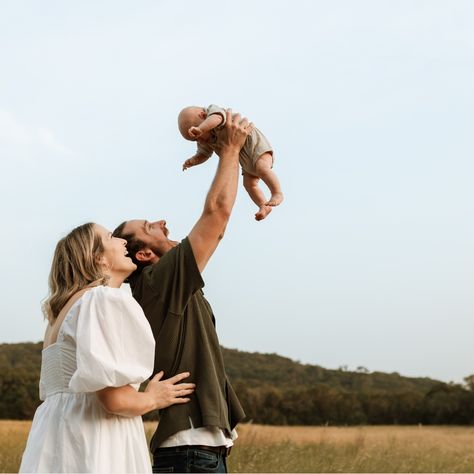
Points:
[[133, 246]]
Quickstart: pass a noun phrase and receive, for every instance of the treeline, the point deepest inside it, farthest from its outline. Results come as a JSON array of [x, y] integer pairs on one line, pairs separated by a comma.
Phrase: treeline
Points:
[[19, 378], [324, 405], [277, 390]]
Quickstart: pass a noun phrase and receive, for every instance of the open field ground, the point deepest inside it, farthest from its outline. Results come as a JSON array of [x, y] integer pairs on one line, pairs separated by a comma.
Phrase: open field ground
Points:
[[318, 449]]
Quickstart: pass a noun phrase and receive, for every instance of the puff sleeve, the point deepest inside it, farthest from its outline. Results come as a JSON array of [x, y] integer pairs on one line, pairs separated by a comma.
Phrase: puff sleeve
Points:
[[114, 342]]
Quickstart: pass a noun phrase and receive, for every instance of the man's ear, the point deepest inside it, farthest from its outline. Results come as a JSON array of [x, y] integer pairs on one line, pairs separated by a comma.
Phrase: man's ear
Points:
[[145, 255]]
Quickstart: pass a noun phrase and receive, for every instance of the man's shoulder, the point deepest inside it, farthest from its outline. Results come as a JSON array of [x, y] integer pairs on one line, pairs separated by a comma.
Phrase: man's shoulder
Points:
[[163, 265]]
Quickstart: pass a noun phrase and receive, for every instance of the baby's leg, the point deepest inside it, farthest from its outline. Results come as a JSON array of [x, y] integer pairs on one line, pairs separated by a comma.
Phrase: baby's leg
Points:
[[264, 170], [257, 196]]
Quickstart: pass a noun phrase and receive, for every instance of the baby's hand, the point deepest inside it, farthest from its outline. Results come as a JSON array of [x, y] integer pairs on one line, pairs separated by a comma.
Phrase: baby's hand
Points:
[[194, 160], [195, 132], [189, 163]]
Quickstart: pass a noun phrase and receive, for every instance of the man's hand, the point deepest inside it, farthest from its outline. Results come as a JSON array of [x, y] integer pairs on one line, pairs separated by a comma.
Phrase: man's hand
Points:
[[195, 132], [236, 131]]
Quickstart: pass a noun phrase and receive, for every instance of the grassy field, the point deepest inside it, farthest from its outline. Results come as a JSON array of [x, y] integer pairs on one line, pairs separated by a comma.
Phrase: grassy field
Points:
[[318, 449]]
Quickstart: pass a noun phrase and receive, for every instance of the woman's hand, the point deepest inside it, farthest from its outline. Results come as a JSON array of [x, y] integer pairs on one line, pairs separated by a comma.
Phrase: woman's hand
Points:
[[169, 392]]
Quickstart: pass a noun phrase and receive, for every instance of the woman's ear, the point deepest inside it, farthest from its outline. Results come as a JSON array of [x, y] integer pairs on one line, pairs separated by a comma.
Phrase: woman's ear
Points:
[[144, 255], [103, 262]]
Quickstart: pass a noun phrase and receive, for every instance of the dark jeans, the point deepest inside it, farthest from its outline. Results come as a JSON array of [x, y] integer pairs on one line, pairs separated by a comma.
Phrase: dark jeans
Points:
[[188, 459]]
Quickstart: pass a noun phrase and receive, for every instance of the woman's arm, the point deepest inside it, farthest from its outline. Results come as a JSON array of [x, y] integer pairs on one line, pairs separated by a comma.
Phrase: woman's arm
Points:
[[126, 401]]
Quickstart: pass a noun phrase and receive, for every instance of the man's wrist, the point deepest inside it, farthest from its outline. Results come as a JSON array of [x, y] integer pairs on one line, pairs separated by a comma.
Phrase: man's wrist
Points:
[[230, 148]]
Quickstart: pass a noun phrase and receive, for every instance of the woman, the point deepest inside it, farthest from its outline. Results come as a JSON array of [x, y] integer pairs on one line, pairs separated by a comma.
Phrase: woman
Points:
[[98, 348]]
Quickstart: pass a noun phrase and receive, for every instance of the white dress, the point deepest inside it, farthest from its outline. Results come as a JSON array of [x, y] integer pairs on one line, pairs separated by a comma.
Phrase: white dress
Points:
[[104, 341]]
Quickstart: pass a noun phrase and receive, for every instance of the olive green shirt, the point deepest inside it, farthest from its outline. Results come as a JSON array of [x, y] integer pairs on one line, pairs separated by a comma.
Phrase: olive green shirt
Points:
[[183, 324]]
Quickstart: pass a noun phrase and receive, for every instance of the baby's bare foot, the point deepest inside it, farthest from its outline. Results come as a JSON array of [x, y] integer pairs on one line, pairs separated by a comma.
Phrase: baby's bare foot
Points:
[[275, 199], [263, 212]]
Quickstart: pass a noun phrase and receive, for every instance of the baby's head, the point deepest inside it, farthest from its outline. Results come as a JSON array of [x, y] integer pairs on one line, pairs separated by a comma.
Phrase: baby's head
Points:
[[190, 117]]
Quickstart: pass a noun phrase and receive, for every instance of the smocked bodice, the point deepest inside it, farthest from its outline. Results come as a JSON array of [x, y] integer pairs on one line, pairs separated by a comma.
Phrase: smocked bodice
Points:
[[57, 367]]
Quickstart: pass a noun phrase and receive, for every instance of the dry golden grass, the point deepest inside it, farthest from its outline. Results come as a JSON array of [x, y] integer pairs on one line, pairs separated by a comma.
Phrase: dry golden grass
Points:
[[354, 449], [317, 449], [417, 436], [13, 435]]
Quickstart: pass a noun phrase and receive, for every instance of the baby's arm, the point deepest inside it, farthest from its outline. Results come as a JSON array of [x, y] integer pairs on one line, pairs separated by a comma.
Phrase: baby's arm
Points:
[[212, 121], [197, 159]]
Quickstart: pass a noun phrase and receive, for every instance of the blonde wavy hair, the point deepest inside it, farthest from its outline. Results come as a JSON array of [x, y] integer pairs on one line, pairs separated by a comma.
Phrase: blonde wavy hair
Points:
[[76, 265]]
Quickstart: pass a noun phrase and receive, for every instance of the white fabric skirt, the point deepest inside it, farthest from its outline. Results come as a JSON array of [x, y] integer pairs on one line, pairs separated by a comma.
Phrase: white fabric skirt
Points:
[[72, 432]]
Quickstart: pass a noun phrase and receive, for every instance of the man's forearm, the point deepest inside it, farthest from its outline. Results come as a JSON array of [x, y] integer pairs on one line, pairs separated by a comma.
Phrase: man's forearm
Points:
[[209, 229], [223, 191]]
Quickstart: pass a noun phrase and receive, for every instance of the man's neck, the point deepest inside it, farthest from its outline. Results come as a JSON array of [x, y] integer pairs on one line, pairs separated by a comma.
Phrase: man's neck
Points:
[[166, 248]]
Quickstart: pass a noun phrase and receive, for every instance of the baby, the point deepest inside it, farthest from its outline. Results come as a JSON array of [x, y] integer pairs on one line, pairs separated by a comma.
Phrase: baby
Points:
[[204, 126]]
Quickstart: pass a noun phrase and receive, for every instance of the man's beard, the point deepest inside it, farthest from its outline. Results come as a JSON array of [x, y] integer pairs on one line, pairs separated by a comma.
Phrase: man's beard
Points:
[[160, 251], [157, 251]]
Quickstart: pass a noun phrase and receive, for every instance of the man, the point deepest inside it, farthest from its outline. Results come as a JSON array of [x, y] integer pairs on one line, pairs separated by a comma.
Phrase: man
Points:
[[197, 436]]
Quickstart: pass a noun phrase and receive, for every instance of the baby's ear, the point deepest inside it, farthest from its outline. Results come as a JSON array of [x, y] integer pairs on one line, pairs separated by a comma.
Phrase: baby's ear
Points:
[[203, 114]]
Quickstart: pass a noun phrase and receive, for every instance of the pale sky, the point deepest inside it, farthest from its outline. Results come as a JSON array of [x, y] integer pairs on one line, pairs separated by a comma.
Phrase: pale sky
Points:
[[369, 107]]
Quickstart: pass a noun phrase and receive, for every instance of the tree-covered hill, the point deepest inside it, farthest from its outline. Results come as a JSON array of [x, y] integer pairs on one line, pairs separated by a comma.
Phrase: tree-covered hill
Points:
[[24, 354], [258, 369], [277, 390]]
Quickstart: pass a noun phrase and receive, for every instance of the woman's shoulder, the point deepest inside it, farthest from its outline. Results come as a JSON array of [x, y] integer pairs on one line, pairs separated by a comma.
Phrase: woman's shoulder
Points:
[[105, 305], [101, 300], [102, 292], [122, 298]]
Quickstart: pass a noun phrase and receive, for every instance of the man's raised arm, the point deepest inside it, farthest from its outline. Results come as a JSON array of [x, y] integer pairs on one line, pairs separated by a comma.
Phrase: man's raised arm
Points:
[[209, 229]]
